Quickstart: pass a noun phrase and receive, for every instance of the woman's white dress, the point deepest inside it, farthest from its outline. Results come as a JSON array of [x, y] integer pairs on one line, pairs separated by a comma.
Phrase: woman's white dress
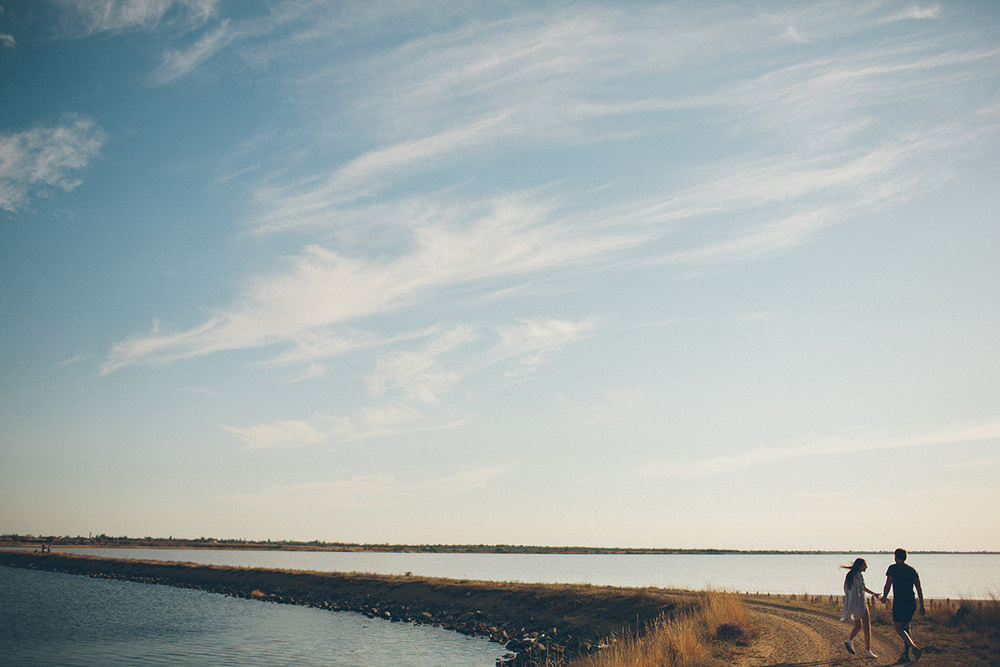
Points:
[[854, 598]]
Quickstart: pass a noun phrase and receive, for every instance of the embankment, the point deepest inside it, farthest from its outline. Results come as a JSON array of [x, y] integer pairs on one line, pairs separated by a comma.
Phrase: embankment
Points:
[[533, 621]]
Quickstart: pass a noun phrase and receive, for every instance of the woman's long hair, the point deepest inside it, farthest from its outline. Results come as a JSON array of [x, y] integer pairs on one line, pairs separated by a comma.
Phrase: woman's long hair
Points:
[[853, 570]]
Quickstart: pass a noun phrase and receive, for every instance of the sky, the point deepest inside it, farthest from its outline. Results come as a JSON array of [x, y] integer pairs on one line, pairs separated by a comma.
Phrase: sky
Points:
[[613, 274]]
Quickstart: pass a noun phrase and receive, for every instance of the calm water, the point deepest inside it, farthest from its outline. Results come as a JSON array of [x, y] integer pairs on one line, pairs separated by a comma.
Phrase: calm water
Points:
[[57, 620], [942, 575]]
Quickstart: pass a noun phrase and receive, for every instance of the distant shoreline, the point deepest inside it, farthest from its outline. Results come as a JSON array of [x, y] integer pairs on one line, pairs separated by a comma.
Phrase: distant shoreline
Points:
[[106, 542]]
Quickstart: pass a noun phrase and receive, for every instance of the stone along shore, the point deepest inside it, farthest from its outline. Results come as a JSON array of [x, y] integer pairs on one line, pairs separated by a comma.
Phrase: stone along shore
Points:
[[534, 622]]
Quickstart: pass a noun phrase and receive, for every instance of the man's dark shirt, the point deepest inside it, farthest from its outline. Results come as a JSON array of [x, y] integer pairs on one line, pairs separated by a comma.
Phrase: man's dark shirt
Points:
[[903, 579]]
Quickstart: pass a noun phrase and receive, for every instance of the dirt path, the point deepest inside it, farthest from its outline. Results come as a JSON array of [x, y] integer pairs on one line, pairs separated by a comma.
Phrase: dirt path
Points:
[[790, 637]]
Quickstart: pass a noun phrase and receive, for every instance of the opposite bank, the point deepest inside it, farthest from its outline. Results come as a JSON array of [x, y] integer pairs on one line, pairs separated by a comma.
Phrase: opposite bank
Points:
[[536, 622]]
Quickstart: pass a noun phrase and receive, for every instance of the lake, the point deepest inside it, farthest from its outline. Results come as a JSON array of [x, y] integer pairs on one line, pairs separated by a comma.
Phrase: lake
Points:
[[952, 576], [62, 620]]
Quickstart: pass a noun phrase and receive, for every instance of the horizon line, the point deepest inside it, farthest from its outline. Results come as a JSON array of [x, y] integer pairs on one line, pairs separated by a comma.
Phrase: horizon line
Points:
[[126, 541]]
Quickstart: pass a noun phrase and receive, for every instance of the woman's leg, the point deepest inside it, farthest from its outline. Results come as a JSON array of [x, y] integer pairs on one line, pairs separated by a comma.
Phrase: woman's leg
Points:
[[856, 630], [866, 620]]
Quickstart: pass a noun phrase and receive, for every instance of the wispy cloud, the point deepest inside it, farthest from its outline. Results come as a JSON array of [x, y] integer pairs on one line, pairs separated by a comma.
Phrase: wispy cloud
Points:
[[204, 392], [95, 16], [170, 19], [73, 360], [721, 465], [807, 146], [390, 418], [615, 405], [325, 288], [478, 91], [354, 493], [779, 203], [40, 159], [975, 464], [825, 103], [529, 342], [7, 40], [408, 387], [917, 12], [320, 343], [763, 240], [315, 370], [418, 375], [365, 491], [794, 35], [546, 79], [420, 152], [177, 63], [278, 435], [466, 481]]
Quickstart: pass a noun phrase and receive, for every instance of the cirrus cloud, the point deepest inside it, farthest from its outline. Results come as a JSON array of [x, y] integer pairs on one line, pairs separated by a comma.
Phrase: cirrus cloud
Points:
[[323, 288]]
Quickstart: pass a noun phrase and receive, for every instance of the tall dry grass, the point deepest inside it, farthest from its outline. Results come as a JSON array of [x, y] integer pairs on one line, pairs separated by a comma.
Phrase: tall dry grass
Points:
[[681, 640], [722, 610], [975, 615]]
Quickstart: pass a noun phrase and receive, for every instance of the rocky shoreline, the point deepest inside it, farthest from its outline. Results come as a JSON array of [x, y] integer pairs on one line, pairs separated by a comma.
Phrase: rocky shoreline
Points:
[[535, 622]]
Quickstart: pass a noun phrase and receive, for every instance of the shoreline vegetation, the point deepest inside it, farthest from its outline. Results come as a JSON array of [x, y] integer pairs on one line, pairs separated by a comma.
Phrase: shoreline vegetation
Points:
[[551, 625], [106, 541]]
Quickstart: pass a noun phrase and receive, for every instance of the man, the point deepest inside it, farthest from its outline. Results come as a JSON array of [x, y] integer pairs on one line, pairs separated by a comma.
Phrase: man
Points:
[[903, 579]]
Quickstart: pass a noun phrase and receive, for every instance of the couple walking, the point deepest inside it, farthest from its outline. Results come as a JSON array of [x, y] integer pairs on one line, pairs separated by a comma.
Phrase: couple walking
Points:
[[902, 579]]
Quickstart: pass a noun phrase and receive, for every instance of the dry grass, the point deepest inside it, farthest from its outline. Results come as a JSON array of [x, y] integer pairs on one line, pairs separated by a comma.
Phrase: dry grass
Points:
[[956, 633], [972, 614], [722, 610], [970, 626], [688, 638], [668, 641], [704, 633]]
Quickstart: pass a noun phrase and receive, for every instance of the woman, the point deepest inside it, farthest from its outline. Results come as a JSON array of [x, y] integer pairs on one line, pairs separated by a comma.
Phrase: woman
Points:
[[854, 605]]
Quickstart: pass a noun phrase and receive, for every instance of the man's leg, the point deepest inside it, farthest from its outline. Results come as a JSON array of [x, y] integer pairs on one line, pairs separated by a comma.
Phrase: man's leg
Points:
[[903, 630], [902, 614], [907, 637]]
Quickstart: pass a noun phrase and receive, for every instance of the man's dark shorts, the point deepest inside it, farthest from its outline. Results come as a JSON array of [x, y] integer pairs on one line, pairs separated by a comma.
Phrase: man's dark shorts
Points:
[[903, 610]]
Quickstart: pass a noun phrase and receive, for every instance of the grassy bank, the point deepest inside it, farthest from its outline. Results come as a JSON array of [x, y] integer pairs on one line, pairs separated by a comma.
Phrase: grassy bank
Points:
[[700, 635]]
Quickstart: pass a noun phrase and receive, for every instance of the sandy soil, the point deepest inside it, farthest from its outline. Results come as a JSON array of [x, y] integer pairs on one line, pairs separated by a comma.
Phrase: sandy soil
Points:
[[794, 635]]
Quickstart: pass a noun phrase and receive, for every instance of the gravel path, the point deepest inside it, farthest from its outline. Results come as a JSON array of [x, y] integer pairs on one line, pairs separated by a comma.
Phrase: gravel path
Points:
[[791, 637]]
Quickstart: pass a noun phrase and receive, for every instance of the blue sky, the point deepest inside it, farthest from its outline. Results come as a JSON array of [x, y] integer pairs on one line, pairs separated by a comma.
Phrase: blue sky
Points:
[[613, 274]]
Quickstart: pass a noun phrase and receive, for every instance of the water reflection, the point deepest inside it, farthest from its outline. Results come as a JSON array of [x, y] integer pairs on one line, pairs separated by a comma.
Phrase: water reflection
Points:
[[58, 619]]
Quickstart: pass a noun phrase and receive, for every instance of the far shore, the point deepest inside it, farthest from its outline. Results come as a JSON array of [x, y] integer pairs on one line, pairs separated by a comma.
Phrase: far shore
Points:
[[106, 542]]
